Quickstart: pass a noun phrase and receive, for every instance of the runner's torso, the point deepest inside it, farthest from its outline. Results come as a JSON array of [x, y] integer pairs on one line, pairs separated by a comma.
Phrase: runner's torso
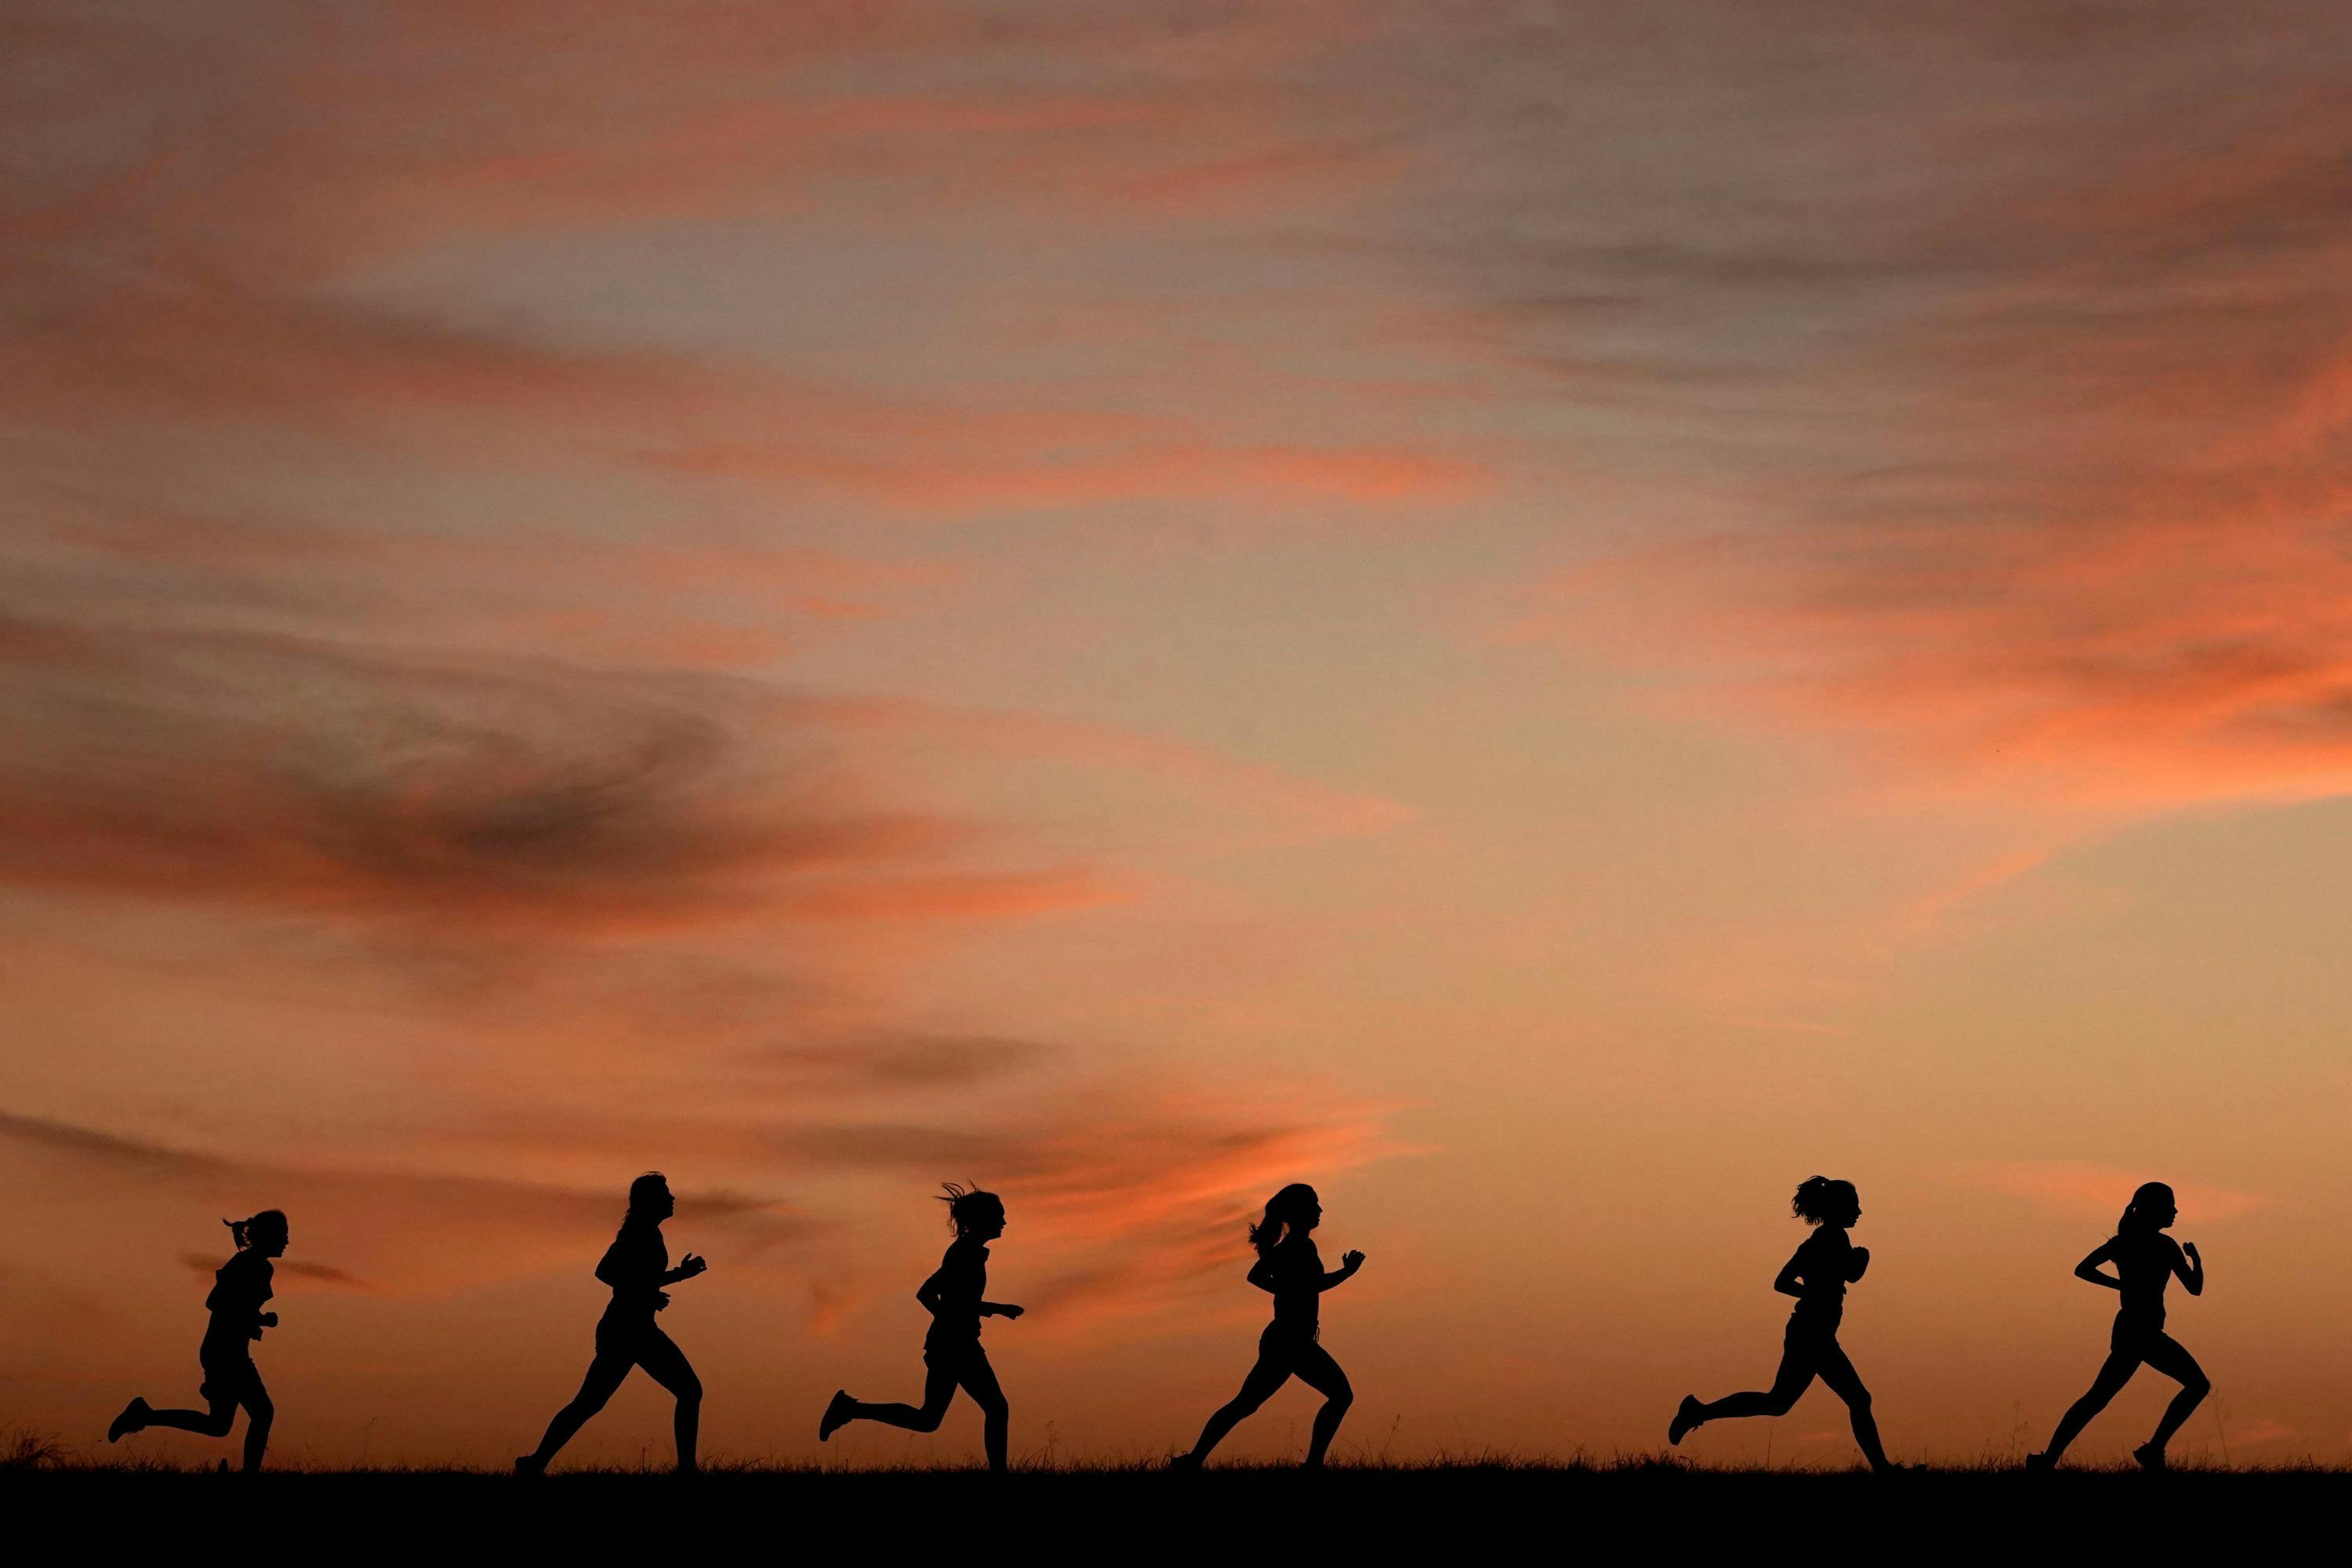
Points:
[[963, 1282], [2143, 1263], [633, 1265], [241, 1288], [1822, 1263], [1297, 1271]]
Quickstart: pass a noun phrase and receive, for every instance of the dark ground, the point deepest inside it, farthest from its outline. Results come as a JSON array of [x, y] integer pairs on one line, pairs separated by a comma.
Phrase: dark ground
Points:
[[1509, 1511]]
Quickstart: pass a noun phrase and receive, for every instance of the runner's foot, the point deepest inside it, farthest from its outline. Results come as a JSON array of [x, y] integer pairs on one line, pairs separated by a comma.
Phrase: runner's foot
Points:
[[133, 1419]]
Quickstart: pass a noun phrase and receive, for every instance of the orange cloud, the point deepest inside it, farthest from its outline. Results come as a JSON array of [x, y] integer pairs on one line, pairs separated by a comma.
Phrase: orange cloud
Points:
[[407, 144], [1294, 806], [2093, 556], [959, 894], [1129, 1198], [301, 1272], [1126, 1196], [400, 1231], [1057, 470], [2079, 1187]]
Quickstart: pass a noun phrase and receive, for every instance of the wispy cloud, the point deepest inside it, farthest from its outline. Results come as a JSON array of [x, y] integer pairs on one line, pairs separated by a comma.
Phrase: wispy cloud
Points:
[[904, 1059], [2081, 1187], [403, 1231], [1125, 1199], [2050, 507], [371, 784], [300, 1269]]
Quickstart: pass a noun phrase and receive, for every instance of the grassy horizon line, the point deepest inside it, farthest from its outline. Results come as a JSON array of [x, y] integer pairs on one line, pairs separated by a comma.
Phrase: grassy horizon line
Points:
[[24, 1453]]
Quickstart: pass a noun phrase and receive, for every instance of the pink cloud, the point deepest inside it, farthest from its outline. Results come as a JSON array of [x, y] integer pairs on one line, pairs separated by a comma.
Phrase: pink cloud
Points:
[[2033, 492], [418, 130], [2081, 1188]]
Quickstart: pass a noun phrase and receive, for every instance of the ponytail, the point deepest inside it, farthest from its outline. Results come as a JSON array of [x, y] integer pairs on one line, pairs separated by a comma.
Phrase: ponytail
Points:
[[1280, 1219], [267, 1223], [2152, 1195]]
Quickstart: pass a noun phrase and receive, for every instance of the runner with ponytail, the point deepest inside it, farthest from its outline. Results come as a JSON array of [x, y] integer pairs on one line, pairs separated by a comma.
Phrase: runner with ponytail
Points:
[[2145, 1261], [1288, 1268], [240, 1288]]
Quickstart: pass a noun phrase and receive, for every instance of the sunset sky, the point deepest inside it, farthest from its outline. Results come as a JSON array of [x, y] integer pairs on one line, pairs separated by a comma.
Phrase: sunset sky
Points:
[[1549, 617]]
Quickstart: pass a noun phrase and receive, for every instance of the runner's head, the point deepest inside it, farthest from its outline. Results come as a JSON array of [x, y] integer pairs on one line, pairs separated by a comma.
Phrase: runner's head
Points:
[[973, 1213], [650, 1200], [2151, 1209], [1822, 1201], [265, 1233], [1294, 1211]]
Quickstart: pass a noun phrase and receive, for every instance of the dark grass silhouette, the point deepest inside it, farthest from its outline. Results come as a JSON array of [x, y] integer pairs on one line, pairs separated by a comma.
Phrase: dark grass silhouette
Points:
[[1419, 1506], [241, 1288], [952, 1356], [637, 1266], [1289, 1268], [2145, 1261], [1816, 1274]]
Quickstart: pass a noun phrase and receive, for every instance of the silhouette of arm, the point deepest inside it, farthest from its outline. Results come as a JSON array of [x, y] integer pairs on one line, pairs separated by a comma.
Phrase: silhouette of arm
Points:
[[2189, 1266], [928, 1292], [2088, 1272], [261, 1320], [1349, 1263], [687, 1267], [1856, 1263], [1786, 1281], [999, 1310], [250, 1283], [1261, 1275]]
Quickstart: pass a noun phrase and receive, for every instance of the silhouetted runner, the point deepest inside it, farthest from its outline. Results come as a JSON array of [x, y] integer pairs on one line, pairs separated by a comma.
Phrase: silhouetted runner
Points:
[[637, 1266], [1288, 1266], [952, 1357], [2146, 1260], [1817, 1274], [240, 1287]]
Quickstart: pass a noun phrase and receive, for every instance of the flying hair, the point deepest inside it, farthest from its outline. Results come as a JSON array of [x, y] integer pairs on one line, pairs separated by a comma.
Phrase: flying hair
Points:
[[244, 1231], [967, 1204], [1819, 1198]]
